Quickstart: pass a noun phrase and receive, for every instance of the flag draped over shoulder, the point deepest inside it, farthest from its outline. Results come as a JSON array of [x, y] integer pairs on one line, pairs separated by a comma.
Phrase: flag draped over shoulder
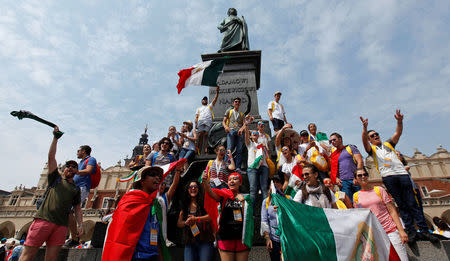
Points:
[[126, 225], [330, 234], [204, 73], [211, 207], [258, 156]]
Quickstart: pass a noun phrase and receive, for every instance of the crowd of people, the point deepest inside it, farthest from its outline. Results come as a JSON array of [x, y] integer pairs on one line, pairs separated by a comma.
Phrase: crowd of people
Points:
[[308, 167]]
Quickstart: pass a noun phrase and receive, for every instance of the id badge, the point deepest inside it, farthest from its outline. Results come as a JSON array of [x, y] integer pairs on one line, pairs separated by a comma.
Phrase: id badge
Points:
[[217, 182], [154, 237], [194, 229], [237, 215]]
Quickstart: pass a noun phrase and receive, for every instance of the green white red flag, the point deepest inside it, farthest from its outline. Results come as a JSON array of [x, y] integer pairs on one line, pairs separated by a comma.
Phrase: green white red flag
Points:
[[204, 73], [310, 233]]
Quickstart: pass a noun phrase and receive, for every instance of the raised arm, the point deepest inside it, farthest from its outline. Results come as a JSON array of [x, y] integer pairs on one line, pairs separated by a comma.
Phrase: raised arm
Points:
[[52, 165], [398, 131], [207, 187], [365, 137], [215, 97], [247, 135], [232, 165], [173, 187]]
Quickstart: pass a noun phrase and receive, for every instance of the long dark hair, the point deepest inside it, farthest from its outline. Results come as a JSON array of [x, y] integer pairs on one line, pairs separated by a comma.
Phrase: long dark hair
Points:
[[187, 199]]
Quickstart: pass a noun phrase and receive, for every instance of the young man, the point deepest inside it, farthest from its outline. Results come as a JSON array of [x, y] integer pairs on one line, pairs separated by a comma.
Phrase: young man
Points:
[[204, 117], [162, 157], [396, 178], [86, 168], [276, 112], [257, 171], [51, 220], [263, 137], [344, 161], [134, 232], [233, 123]]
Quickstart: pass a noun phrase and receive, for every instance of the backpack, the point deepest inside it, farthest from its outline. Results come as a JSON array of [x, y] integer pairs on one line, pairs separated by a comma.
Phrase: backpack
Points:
[[375, 188], [95, 178]]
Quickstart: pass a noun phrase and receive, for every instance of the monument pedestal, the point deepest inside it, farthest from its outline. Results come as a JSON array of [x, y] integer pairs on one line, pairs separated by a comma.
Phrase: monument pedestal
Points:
[[241, 74]]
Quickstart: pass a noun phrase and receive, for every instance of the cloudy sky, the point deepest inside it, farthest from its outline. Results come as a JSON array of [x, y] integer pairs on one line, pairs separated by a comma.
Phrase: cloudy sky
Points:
[[102, 70]]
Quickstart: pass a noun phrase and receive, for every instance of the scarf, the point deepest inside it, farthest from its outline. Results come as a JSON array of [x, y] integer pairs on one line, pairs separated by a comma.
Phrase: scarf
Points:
[[335, 164], [317, 197]]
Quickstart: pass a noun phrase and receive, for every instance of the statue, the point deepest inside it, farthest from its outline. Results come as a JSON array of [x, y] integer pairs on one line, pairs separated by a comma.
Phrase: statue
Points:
[[235, 33]]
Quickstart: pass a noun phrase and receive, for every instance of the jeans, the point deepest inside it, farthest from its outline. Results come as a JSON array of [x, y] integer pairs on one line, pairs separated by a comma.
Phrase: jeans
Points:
[[401, 189], [202, 251], [258, 178], [186, 154], [349, 188], [275, 254], [234, 140]]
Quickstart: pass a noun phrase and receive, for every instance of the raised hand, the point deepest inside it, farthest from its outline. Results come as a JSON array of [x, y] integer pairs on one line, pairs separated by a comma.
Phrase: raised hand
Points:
[[365, 122], [398, 116]]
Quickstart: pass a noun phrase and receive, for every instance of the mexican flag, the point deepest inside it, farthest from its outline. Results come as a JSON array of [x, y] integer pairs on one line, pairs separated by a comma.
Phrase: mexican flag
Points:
[[310, 233], [258, 157], [205, 73]]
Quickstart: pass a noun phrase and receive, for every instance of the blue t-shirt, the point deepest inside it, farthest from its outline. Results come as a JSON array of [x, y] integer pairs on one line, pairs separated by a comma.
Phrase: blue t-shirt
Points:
[[346, 164], [85, 180], [144, 249]]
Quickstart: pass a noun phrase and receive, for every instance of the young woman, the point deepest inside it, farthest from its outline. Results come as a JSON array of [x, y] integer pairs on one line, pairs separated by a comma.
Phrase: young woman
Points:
[[193, 218], [139, 161], [378, 201], [232, 218], [288, 165], [314, 193], [219, 169], [188, 139]]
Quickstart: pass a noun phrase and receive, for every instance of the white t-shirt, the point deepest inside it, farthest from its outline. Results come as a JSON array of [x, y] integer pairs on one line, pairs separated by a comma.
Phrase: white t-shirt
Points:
[[302, 148], [204, 113], [287, 167], [264, 139], [388, 162], [298, 198], [251, 148], [277, 110]]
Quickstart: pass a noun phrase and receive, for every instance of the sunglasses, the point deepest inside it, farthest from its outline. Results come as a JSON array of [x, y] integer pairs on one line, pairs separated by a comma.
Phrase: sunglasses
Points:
[[221, 150], [305, 174], [71, 166], [260, 123], [333, 140], [374, 135], [167, 143], [362, 175], [255, 133], [285, 149], [193, 186]]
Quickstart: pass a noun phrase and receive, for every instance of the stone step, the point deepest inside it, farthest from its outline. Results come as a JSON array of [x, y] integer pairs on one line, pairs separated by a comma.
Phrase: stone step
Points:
[[424, 251]]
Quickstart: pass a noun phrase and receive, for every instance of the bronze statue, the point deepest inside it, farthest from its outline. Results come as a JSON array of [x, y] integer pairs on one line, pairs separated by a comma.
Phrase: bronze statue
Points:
[[235, 33]]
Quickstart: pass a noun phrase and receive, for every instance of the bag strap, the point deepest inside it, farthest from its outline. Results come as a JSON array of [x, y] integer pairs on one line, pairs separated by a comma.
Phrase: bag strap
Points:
[[377, 190], [355, 197], [349, 150], [212, 113]]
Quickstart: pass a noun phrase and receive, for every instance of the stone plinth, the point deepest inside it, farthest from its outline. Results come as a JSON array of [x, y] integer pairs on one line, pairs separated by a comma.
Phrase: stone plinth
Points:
[[241, 73]]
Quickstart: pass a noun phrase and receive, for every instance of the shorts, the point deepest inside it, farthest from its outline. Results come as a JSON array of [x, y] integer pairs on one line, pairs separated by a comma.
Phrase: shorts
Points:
[[234, 245], [204, 126], [42, 231], [277, 124]]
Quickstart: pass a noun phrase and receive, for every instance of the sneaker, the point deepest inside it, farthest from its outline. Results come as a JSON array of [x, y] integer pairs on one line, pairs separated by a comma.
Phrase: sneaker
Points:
[[71, 243], [427, 236]]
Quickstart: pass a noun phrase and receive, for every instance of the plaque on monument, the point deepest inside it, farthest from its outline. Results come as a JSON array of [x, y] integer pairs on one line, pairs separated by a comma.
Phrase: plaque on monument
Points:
[[240, 78]]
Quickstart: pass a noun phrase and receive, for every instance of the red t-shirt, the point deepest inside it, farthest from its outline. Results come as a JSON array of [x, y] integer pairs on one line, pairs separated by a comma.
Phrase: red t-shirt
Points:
[[369, 199]]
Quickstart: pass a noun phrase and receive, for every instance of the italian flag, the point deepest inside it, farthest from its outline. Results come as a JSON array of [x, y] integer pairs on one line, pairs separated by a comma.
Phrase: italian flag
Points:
[[205, 73], [310, 233], [258, 157]]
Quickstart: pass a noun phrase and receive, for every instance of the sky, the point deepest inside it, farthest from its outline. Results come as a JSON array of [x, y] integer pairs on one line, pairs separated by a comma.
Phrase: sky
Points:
[[102, 70]]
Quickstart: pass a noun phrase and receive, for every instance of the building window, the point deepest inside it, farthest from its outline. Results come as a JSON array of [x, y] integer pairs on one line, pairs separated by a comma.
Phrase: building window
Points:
[[83, 204], [14, 200], [425, 191], [36, 198], [107, 202]]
